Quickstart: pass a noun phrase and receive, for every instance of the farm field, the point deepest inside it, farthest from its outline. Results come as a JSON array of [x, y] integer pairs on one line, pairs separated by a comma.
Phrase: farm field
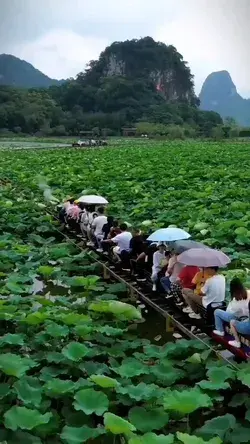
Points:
[[201, 187], [73, 365]]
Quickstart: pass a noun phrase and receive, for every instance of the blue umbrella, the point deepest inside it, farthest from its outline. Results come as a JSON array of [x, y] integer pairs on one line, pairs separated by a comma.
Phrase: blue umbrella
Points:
[[168, 235]]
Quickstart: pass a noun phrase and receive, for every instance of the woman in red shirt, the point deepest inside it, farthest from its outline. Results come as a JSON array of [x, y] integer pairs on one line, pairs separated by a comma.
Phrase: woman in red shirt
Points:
[[184, 280], [187, 275]]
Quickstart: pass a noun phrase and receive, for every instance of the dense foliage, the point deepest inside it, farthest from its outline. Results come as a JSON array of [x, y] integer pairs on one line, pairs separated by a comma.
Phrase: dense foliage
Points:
[[132, 81], [71, 370]]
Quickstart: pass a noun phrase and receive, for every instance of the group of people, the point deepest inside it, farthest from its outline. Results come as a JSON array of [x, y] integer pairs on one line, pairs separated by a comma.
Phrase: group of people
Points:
[[190, 286], [194, 287]]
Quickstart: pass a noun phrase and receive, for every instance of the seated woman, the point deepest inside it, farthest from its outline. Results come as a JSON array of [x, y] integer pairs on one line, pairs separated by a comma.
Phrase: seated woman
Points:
[[213, 290], [236, 309], [158, 263], [239, 327], [173, 270], [184, 282]]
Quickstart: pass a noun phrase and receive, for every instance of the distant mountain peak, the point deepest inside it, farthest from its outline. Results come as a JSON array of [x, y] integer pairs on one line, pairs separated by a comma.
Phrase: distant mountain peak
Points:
[[219, 94], [21, 74]]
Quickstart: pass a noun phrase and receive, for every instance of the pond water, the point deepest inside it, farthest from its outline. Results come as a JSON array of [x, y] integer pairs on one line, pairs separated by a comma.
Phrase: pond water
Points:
[[22, 145], [152, 327]]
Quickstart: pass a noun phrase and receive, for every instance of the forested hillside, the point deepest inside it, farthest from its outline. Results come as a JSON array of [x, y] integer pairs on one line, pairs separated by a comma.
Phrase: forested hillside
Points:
[[139, 83], [21, 74]]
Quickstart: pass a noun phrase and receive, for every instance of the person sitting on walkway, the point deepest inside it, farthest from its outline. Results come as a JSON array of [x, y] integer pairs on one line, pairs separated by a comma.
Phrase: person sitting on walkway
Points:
[[159, 259], [198, 281], [122, 242], [184, 282], [236, 309], [114, 230], [214, 290], [173, 270], [239, 327], [97, 227]]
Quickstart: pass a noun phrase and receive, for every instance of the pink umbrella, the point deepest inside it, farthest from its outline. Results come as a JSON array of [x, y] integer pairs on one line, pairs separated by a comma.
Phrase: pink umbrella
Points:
[[204, 257]]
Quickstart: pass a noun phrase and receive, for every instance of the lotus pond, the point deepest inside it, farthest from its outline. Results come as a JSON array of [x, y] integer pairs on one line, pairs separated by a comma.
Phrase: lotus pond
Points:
[[73, 366]]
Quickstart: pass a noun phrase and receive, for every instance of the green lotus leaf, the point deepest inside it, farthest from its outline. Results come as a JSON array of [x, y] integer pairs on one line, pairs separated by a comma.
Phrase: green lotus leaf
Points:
[[48, 373], [50, 428], [238, 435], [243, 375], [14, 365], [73, 318], [91, 367], [35, 318], [75, 351], [148, 420], [104, 381], [117, 308], [186, 401], [78, 435], [55, 357], [21, 437], [4, 390], [152, 438], [58, 387], [167, 375], [117, 425], [91, 401], [83, 330], [12, 339], [141, 392], [238, 399], [46, 271], [188, 439], [29, 390], [23, 418], [111, 331], [56, 330], [211, 385], [131, 367], [221, 374], [217, 427]]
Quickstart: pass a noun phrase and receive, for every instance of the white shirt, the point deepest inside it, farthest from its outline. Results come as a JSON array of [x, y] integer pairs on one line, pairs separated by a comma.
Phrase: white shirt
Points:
[[123, 240], [238, 308], [69, 208], [157, 260], [98, 223], [214, 290]]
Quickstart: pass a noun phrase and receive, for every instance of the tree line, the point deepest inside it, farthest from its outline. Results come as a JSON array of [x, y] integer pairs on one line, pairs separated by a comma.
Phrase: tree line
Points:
[[138, 83]]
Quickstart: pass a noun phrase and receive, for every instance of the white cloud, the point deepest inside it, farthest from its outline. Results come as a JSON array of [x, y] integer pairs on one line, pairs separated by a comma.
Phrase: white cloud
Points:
[[61, 53], [209, 41], [211, 34]]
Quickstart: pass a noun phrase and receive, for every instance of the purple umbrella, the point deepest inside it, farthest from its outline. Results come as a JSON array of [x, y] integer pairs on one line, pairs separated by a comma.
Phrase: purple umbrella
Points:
[[204, 257]]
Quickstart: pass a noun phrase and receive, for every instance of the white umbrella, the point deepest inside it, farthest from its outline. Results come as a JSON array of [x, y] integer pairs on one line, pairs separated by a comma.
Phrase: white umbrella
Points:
[[93, 199], [169, 234]]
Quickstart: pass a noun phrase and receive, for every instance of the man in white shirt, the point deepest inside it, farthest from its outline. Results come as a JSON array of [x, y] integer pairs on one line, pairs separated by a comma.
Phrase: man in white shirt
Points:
[[97, 225], [122, 241], [214, 290]]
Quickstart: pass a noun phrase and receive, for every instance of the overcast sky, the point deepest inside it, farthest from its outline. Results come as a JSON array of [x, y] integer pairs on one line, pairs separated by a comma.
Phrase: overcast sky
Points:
[[60, 36]]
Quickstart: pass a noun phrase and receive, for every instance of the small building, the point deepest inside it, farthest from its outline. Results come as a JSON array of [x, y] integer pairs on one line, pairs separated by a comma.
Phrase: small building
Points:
[[87, 134], [129, 132]]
